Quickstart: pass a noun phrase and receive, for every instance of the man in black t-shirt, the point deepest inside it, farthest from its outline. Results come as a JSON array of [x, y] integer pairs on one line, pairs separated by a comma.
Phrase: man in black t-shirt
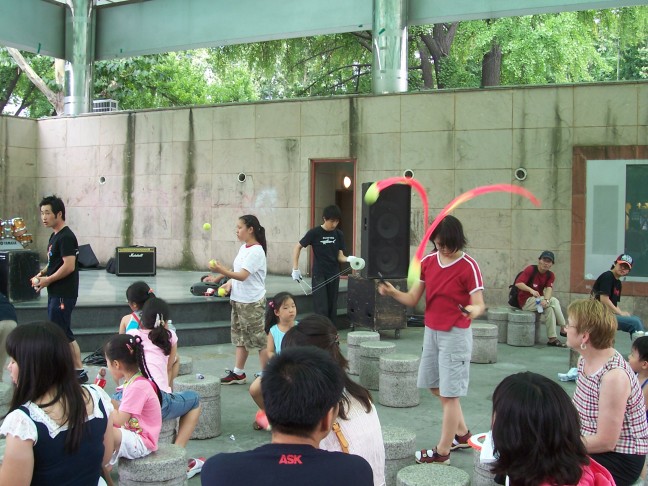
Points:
[[327, 242], [61, 275], [302, 388], [607, 289]]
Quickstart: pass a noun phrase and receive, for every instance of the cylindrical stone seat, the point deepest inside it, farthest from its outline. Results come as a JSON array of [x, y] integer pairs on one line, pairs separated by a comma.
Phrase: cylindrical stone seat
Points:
[[353, 347], [397, 380], [208, 389], [432, 475], [399, 446], [482, 475], [369, 366], [499, 317], [167, 466], [484, 348], [168, 431], [186, 365], [573, 358], [6, 392], [521, 328]]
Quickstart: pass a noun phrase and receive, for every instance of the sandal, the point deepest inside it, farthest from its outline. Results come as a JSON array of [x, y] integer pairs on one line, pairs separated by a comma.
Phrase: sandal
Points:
[[194, 466], [563, 332], [556, 344]]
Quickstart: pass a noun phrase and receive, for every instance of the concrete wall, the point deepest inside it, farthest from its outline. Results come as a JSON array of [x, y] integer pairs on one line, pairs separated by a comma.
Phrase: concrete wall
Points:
[[19, 171], [167, 172]]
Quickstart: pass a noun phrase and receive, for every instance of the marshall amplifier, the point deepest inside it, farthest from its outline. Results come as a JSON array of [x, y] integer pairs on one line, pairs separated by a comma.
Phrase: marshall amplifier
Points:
[[17, 267], [135, 260]]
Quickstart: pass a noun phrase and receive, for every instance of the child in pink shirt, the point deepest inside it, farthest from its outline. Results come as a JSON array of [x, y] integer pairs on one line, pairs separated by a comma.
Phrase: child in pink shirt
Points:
[[139, 418]]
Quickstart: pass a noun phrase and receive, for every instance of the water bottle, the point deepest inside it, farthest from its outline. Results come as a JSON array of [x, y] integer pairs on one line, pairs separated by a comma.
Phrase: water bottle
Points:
[[539, 307], [170, 325], [100, 380]]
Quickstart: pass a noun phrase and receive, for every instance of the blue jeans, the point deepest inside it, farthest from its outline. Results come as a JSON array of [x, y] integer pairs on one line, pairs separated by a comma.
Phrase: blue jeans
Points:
[[59, 311], [629, 324]]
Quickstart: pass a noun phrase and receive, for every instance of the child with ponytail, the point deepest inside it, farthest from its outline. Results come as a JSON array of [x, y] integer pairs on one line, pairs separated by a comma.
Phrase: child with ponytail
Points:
[[279, 319], [138, 420], [136, 294], [160, 348]]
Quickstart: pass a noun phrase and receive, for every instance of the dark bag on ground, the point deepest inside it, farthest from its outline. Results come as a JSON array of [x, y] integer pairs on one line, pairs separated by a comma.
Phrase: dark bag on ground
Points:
[[207, 288], [96, 359]]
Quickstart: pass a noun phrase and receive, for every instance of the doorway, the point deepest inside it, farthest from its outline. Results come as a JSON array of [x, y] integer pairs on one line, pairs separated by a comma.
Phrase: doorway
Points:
[[333, 181]]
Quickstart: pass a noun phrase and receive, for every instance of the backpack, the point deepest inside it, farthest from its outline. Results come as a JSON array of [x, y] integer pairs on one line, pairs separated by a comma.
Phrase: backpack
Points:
[[514, 291]]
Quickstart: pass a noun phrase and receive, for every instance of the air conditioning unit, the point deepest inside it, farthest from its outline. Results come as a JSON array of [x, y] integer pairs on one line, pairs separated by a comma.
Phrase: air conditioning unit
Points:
[[101, 106]]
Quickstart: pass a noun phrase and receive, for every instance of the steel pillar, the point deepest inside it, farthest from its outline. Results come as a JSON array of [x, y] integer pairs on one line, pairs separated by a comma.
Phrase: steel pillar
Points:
[[79, 55], [389, 39]]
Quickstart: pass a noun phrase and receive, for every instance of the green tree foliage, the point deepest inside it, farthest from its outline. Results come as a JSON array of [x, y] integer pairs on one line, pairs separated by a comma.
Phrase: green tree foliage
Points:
[[569, 47], [18, 96], [171, 79]]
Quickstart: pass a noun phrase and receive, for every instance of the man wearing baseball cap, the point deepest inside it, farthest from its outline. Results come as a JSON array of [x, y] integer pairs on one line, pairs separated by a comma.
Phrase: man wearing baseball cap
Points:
[[536, 282], [607, 289]]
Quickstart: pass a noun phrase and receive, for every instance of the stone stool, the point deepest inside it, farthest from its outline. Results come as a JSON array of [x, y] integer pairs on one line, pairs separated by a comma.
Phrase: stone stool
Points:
[[397, 380], [6, 392], [573, 358], [399, 451], [186, 365], [432, 475], [353, 347], [521, 328], [370, 353], [167, 466], [482, 475], [168, 431], [208, 388], [484, 342], [499, 317]]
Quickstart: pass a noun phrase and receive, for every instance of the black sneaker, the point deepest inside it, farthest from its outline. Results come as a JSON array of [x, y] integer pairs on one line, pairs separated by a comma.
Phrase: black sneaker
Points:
[[233, 379], [82, 376]]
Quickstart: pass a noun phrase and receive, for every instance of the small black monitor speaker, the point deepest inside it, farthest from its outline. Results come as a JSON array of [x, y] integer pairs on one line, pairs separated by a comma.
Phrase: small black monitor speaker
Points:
[[17, 267], [385, 232]]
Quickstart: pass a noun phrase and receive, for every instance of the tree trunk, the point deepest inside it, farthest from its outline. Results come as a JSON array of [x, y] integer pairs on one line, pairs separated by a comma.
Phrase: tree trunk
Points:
[[492, 66], [439, 44], [55, 99], [426, 66], [9, 90]]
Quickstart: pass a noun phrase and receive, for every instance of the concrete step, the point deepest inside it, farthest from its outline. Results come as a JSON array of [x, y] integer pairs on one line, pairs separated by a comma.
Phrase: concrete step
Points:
[[189, 334]]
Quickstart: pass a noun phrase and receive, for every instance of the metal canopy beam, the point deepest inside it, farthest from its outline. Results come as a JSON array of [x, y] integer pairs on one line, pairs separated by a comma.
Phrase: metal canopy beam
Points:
[[169, 25], [33, 26], [423, 12], [125, 30]]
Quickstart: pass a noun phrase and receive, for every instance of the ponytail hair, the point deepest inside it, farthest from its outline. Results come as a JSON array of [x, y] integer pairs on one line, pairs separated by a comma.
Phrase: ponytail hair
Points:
[[154, 312], [273, 304], [252, 221], [138, 293], [129, 351]]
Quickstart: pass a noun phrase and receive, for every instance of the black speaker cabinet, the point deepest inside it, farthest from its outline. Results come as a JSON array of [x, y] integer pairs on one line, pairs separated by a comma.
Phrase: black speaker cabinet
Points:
[[367, 308], [385, 232], [135, 260], [17, 267]]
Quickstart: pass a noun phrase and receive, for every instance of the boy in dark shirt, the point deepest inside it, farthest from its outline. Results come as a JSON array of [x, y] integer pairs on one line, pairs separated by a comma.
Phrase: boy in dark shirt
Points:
[[302, 388], [327, 242], [607, 289]]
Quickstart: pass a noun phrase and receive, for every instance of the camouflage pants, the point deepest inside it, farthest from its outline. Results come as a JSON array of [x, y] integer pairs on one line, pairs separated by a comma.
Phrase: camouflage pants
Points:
[[248, 324]]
